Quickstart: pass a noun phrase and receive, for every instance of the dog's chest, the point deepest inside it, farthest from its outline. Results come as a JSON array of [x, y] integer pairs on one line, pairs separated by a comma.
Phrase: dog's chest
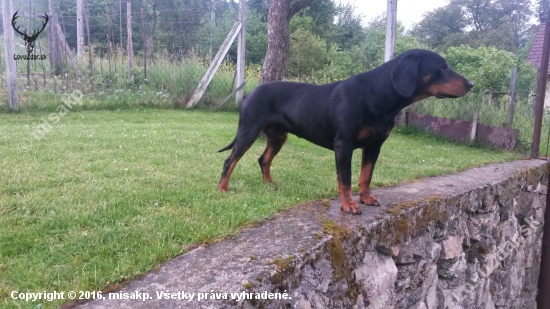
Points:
[[368, 135]]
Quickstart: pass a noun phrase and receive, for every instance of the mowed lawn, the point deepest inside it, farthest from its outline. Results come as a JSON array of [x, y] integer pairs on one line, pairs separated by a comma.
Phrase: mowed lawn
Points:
[[107, 195]]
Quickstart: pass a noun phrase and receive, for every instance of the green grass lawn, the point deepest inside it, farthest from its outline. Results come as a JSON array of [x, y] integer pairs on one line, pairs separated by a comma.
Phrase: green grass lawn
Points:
[[108, 195]]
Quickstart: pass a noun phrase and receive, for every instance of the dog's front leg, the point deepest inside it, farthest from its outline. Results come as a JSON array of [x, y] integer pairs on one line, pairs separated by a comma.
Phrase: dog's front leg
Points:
[[368, 159], [343, 152]]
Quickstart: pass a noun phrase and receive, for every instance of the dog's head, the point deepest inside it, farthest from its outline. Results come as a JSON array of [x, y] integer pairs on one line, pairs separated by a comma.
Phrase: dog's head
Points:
[[422, 73]]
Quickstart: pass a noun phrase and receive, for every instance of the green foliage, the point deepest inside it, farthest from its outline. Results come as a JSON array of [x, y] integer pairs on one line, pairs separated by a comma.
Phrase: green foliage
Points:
[[502, 24], [303, 22], [374, 43], [404, 42], [256, 38], [224, 22], [313, 59], [342, 64], [375, 39], [440, 27], [259, 6], [308, 53], [348, 30], [322, 12], [490, 68], [542, 7]]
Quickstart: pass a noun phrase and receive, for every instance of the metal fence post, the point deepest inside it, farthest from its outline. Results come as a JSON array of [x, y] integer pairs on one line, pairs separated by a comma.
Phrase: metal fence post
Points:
[[541, 89], [543, 295]]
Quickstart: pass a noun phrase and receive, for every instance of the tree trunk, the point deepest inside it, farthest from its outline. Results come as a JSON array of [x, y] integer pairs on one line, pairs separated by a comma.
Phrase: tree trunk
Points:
[[278, 37]]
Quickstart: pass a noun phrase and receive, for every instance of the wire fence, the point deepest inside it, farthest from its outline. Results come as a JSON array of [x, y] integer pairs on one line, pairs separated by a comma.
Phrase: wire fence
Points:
[[172, 44], [493, 108]]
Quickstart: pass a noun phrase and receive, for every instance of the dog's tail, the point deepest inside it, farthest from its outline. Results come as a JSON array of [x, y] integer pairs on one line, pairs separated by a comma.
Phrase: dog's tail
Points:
[[231, 145]]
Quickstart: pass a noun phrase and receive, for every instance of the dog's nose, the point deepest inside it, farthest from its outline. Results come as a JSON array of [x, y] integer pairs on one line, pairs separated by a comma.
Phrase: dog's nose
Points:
[[470, 84]]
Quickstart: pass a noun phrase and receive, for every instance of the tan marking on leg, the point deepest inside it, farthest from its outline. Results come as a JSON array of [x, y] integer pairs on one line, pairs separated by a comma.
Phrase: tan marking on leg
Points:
[[266, 163], [224, 183], [347, 204], [269, 154], [364, 185]]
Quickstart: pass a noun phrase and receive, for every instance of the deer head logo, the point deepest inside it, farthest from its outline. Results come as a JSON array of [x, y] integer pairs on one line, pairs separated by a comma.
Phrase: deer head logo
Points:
[[29, 39]]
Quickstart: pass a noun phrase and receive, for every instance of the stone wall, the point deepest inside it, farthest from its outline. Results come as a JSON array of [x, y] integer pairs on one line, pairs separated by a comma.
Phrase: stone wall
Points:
[[469, 240], [485, 255], [479, 248]]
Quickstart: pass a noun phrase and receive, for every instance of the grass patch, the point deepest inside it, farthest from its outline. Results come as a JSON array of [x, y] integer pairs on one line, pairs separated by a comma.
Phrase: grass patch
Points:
[[108, 195]]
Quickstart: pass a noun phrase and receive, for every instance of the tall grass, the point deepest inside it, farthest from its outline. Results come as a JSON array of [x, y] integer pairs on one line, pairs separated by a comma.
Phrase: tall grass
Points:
[[168, 81]]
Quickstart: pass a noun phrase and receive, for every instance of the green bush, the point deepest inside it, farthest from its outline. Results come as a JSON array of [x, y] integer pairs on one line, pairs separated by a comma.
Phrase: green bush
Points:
[[490, 70], [308, 53]]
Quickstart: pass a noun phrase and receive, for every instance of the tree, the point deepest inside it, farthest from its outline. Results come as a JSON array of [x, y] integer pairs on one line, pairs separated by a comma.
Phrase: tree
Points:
[[307, 54], [260, 6], [322, 13], [278, 37], [500, 23], [542, 8], [348, 29], [373, 46], [480, 13], [489, 68], [439, 26]]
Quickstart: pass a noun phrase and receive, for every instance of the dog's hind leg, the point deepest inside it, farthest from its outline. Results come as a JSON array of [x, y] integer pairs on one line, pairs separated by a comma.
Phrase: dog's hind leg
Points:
[[243, 141], [275, 139]]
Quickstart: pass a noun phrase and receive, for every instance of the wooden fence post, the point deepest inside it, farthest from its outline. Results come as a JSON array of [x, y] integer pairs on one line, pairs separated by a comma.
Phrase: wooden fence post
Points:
[[512, 100], [9, 49], [79, 27], [391, 19], [241, 48], [65, 47], [144, 38], [212, 25], [90, 58], [197, 94], [130, 48], [473, 132]]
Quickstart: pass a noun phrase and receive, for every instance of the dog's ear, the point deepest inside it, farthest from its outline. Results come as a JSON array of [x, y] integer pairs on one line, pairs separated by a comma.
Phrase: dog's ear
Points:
[[404, 75]]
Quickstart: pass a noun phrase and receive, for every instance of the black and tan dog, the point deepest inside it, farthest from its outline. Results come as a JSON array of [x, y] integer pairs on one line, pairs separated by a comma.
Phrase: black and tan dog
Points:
[[342, 116]]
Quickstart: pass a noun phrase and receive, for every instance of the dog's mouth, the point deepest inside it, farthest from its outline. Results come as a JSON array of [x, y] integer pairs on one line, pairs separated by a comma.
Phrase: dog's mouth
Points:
[[446, 96], [451, 90]]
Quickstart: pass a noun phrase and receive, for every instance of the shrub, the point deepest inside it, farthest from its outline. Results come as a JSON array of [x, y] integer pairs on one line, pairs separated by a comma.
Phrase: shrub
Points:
[[308, 53]]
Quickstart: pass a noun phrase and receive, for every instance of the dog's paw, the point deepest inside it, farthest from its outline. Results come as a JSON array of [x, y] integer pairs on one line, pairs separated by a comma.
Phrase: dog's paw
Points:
[[350, 208], [369, 201], [223, 189]]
